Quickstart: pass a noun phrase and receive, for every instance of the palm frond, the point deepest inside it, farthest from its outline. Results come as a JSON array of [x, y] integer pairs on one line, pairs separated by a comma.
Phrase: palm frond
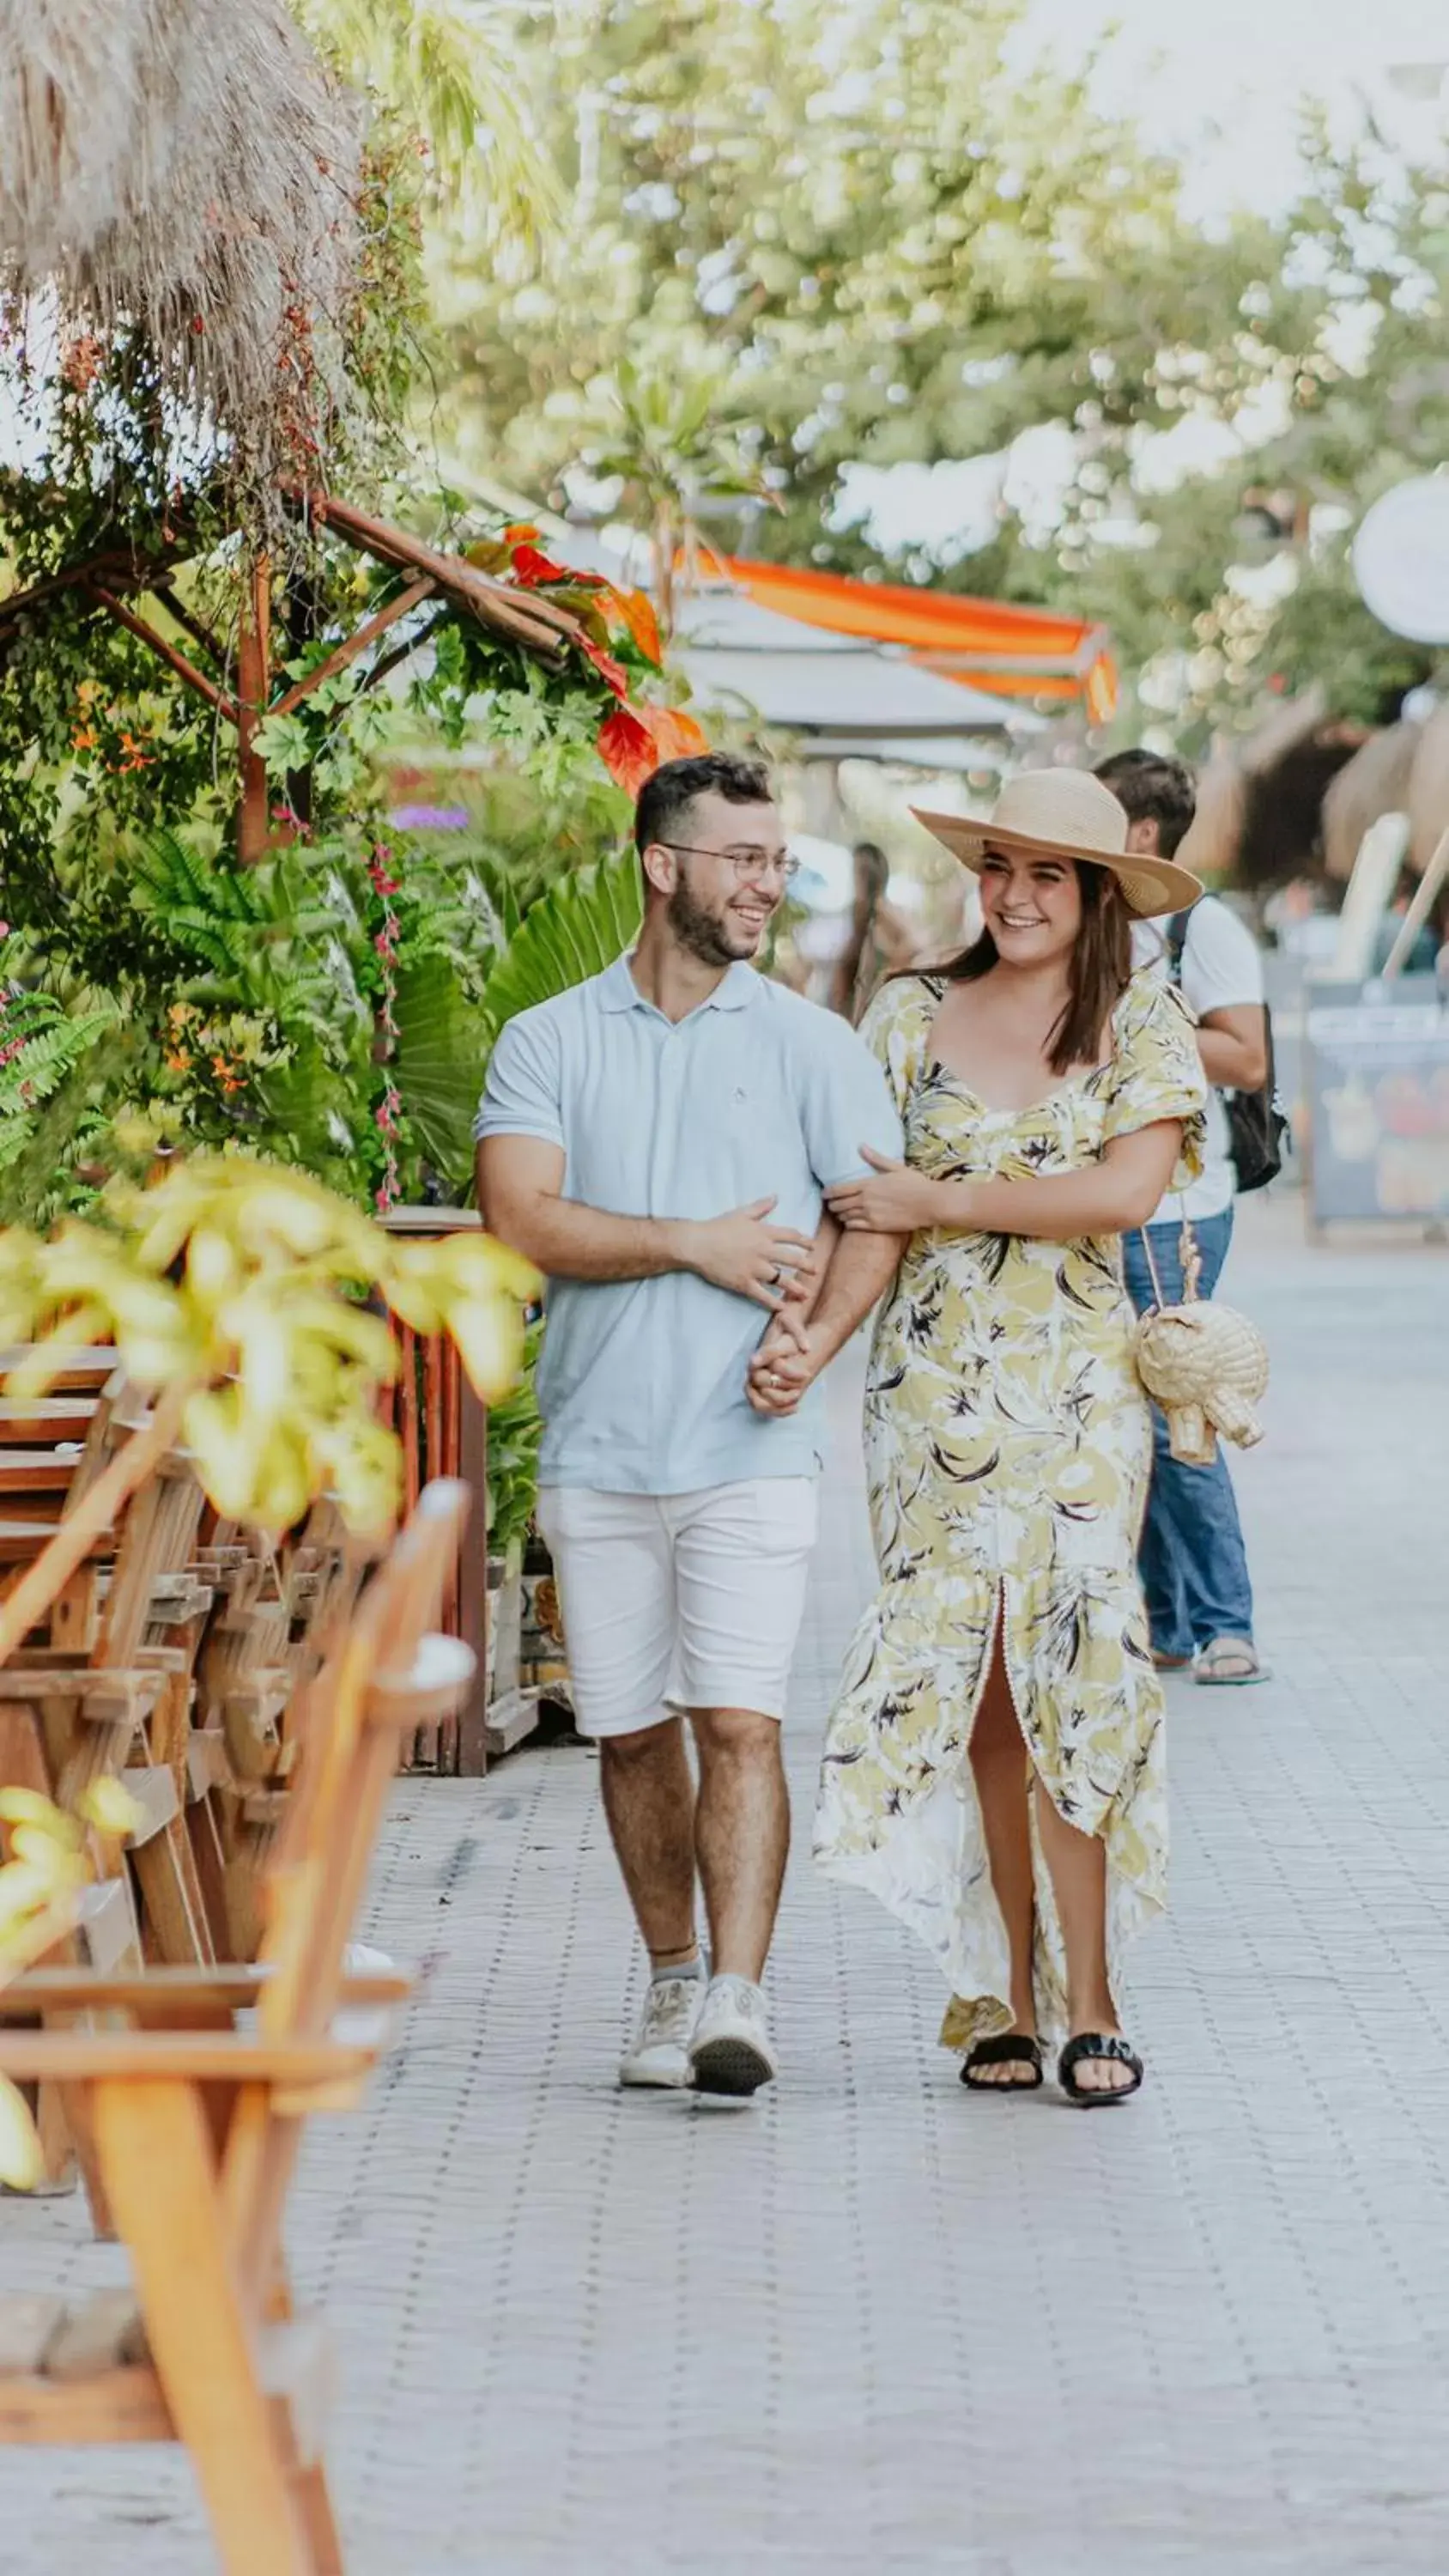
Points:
[[454, 66], [438, 1064], [577, 929], [53, 1054]]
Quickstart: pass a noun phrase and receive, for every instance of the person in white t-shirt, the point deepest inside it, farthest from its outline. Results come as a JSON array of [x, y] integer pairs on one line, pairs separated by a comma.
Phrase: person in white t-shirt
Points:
[[1193, 1563]]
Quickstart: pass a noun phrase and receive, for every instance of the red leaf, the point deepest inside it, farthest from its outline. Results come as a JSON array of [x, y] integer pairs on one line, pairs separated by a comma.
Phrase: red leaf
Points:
[[676, 735], [626, 748], [530, 567], [635, 740], [614, 672], [634, 610]]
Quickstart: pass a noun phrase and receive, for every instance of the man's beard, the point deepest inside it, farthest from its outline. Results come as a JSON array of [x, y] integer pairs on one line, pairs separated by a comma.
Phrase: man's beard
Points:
[[697, 930]]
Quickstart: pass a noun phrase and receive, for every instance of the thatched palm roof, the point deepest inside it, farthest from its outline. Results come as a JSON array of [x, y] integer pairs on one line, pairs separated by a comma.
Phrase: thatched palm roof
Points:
[[187, 170]]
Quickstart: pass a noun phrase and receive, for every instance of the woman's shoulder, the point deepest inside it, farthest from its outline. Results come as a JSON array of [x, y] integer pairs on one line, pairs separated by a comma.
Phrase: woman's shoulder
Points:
[[902, 1001], [916, 984], [1150, 1007], [897, 1028]]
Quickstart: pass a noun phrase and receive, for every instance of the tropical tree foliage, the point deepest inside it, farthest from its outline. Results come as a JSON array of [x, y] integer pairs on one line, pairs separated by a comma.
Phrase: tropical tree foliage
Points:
[[1227, 579], [1368, 406], [886, 242], [450, 68], [890, 236]]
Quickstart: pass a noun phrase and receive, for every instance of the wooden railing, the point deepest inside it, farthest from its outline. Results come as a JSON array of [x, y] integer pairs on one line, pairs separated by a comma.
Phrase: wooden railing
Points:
[[444, 1432]]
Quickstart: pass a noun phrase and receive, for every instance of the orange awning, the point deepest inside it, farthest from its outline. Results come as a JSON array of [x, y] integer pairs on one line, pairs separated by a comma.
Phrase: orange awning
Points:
[[1011, 652]]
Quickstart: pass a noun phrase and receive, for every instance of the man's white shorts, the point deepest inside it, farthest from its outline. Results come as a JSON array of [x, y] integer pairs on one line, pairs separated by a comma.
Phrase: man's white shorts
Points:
[[679, 1600]]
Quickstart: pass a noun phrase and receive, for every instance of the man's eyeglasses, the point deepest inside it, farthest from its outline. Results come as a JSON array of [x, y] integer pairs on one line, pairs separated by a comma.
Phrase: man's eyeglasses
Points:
[[745, 862]]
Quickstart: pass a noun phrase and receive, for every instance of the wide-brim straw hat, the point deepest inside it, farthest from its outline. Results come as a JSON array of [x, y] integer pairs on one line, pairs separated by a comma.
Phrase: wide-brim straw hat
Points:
[[1067, 814]]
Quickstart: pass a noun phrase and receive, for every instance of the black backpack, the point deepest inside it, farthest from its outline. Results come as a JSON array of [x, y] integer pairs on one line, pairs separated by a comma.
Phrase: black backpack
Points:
[[1257, 1121]]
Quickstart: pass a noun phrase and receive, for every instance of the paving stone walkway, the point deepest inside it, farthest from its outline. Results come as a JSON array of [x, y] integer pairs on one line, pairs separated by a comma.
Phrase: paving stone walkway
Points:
[[873, 2325]]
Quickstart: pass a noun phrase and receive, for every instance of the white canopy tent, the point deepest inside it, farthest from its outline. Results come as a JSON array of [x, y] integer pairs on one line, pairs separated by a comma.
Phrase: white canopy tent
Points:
[[844, 695], [847, 697]]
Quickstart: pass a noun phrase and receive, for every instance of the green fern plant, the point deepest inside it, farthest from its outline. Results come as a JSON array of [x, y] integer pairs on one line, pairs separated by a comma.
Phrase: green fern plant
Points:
[[259, 937], [40, 1048]]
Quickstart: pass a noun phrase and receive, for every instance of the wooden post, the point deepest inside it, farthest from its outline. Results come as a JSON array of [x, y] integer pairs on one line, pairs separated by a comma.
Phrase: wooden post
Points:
[[473, 1604], [446, 1434], [253, 694]]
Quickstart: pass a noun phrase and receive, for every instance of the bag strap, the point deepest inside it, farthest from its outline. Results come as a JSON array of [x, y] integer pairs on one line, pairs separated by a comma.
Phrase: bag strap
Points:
[[1145, 1233], [1175, 942], [1189, 1256]]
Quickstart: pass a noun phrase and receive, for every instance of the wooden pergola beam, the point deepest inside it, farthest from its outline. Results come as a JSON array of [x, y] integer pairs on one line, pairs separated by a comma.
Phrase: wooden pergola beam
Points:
[[539, 626], [529, 619], [175, 606], [388, 662], [404, 604], [168, 653]]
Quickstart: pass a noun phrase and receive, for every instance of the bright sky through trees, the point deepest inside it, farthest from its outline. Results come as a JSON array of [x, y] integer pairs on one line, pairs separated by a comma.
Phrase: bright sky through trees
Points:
[[1222, 84]]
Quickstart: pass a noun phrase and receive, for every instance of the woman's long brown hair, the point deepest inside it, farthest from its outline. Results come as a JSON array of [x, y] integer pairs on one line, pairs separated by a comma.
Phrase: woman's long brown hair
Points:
[[1101, 968]]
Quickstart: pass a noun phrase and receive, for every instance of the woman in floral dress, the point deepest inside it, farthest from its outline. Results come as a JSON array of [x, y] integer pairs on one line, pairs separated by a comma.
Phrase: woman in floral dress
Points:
[[993, 1769]]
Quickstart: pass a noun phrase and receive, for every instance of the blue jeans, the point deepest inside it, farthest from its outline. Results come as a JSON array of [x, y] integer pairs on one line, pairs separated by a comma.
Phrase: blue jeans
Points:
[[1192, 1561]]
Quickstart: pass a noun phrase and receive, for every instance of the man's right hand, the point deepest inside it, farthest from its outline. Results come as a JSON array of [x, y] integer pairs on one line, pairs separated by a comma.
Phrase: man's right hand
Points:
[[782, 1370], [749, 1257]]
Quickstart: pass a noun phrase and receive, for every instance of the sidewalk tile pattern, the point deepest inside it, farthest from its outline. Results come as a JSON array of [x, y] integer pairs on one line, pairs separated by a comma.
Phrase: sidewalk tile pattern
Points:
[[869, 2325]]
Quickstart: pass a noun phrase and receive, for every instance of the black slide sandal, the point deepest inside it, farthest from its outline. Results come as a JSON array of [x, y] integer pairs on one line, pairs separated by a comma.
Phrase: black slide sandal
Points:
[[1013, 2048], [1097, 2043]]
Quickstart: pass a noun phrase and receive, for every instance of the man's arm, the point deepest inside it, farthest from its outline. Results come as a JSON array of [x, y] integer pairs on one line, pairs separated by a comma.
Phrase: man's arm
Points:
[[862, 1267], [1221, 975], [1110, 1197], [1233, 1044], [520, 1183], [786, 1329]]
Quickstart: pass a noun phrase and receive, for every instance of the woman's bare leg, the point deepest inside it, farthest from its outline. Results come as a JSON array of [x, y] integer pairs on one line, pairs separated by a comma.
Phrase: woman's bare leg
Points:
[[1000, 1764], [1078, 1864]]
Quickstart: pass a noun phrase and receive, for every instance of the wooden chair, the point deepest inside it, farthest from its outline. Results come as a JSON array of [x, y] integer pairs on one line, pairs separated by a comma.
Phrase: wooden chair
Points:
[[44, 1443], [212, 2354], [276, 1610], [85, 1693], [104, 1684], [174, 1663]]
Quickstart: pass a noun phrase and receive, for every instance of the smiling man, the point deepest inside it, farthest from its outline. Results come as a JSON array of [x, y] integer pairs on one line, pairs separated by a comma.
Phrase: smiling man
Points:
[[658, 1141]]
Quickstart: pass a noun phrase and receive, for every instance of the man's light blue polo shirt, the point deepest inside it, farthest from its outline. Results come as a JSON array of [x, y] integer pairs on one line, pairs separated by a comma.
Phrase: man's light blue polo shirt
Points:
[[755, 1094]]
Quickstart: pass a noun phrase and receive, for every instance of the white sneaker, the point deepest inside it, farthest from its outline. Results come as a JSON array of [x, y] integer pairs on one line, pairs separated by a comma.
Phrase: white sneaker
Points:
[[730, 2051], [660, 2054]]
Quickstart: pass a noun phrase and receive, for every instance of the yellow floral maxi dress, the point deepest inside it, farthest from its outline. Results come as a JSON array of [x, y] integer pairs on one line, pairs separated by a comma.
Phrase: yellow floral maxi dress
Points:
[[1008, 1450]]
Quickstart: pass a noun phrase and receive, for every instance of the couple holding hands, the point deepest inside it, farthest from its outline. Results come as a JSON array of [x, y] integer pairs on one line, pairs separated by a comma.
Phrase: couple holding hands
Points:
[[967, 1164]]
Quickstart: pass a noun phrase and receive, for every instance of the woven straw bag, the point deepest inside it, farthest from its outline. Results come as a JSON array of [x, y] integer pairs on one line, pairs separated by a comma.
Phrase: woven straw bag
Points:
[[1205, 1364]]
